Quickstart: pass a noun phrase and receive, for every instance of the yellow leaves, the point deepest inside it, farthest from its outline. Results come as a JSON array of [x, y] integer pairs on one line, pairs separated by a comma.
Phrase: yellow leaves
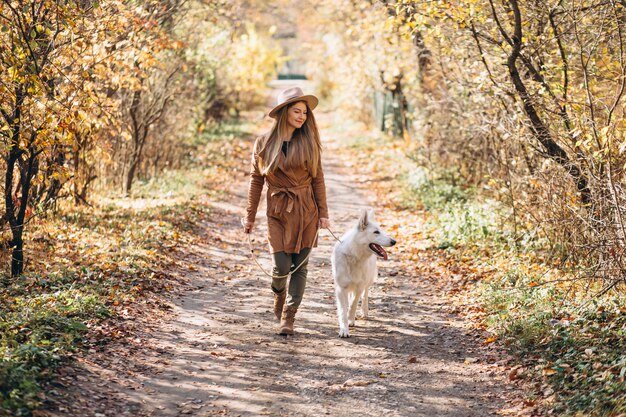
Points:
[[389, 24], [605, 130], [177, 44], [576, 132], [622, 146], [252, 62], [548, 371], [147, 59], [12, 73]]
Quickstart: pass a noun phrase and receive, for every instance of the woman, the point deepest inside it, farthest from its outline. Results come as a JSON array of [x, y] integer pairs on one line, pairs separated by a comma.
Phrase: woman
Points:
[[288, 158]]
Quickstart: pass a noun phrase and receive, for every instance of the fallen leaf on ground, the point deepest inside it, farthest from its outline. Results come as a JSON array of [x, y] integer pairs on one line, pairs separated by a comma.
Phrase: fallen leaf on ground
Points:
[[357, 383]]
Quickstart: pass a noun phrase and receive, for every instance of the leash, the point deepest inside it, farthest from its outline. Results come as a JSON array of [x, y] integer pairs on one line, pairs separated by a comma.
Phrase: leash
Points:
[[331, 232], [291, 271]]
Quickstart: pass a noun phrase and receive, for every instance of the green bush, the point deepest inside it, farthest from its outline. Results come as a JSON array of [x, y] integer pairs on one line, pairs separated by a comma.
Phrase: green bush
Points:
[[36, 333], [575, 347], [458, 217], [433, 194]]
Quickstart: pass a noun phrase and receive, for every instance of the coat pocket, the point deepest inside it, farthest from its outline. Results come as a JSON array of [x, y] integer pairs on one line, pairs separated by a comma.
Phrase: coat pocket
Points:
[[277, 206]]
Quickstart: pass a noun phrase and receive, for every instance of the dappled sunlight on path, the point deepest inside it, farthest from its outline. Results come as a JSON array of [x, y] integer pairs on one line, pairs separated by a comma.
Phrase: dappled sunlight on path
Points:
[[218, 355]]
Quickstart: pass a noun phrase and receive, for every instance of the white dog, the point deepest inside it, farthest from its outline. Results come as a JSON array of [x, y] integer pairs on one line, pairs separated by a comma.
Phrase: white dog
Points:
[[354, 267]]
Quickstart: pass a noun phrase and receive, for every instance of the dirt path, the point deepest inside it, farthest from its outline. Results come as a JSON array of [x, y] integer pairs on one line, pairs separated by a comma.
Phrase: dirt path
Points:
[[217, 353]]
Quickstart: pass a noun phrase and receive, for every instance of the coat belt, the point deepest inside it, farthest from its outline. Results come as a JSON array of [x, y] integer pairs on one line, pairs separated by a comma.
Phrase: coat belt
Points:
[[289, 193]]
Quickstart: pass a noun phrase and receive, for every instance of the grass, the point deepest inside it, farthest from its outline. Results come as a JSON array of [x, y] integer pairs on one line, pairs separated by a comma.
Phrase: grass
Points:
[[105, 260], [459, 217], [575, 356], [85, 266], [569, 348], [173, 184], [42, 320], [574, 350]]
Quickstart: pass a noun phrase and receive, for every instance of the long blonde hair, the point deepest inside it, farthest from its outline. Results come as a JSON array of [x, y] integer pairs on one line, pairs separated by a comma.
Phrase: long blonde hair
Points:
[[304, 150]]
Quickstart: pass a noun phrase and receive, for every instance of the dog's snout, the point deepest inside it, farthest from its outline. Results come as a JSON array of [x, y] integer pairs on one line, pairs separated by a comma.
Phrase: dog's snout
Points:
[[393, 242]]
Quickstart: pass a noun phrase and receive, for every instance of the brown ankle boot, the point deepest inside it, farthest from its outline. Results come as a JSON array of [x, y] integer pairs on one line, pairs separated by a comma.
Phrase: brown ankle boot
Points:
[[287, 319], [279, 302]]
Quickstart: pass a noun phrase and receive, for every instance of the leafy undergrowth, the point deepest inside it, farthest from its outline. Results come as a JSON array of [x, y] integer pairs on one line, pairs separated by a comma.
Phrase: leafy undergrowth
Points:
[[572, 348], [90, 269], [568, 349]]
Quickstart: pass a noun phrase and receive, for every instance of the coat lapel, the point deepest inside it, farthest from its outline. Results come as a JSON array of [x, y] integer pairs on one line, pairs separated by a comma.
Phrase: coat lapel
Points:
[[289, 173]]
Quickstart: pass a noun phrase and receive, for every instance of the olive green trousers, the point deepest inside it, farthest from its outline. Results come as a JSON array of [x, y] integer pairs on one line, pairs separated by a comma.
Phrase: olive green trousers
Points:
[[285, 262]]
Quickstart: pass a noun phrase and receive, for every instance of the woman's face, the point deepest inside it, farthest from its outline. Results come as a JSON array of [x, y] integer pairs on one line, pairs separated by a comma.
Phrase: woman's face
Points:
[[296, 115]]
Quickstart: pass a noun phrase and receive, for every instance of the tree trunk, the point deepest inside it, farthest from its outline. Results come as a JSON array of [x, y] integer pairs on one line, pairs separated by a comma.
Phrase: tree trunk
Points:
[[539, 129], [17, 255], [136, 135], [76, 162], [17, 259], [27, 172], [130, 176], [139, 138]]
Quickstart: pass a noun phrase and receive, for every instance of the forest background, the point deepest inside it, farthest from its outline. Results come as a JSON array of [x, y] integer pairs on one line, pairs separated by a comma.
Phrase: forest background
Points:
[[509, 117]]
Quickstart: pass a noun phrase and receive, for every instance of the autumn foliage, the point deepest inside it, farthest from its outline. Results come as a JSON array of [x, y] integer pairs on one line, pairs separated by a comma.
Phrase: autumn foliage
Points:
[[522, 99], [508, 117], [97, 95]]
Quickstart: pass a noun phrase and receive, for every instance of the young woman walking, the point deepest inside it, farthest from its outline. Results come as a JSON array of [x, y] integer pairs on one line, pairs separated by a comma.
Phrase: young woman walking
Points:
[[288, 159]]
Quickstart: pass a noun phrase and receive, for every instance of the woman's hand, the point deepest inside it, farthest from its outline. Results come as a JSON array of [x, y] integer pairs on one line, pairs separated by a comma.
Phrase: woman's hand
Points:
[[324, 223], [247, 226]]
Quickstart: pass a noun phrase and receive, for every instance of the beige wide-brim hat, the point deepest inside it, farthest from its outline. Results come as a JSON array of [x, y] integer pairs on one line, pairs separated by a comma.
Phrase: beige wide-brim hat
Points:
[[289, 96]]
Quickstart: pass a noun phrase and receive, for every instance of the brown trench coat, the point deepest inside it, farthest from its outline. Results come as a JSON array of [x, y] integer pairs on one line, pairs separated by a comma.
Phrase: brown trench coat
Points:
[[295, 202]]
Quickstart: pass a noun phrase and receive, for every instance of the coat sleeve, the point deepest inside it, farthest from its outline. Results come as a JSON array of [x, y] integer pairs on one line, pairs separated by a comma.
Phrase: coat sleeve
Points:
[[255, 187], [319, 191]]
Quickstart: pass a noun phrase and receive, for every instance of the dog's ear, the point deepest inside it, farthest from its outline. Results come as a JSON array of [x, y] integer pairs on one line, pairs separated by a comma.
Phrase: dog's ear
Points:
[[370, 214], [363, 219]]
